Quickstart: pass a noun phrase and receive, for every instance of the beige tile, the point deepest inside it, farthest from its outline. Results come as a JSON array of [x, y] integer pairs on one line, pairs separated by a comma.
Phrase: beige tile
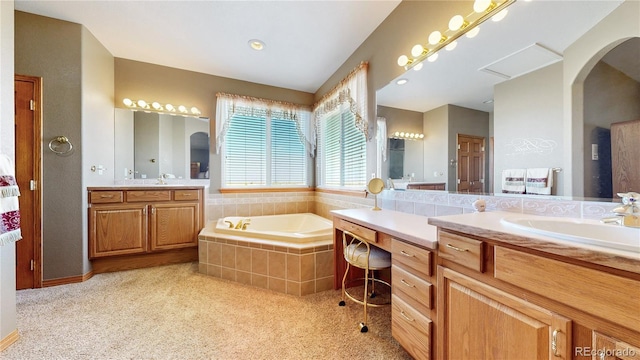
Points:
[[279, 208], [243, 259], [324, 284], [229, 210], [202, 251], [228, 255], [311, 207], [293, 267], [228, 274], [307, 267], [301, 207], [256, 209], [214, 253], [324, 264], [291, 208], [268, 209], [215, 212], [260, 281], [213, 270], [278, 285], [243, 277], [202, 268], [307, 287], [280, 249], [243, 210], [259, 261], [277, 264], [293, 288]]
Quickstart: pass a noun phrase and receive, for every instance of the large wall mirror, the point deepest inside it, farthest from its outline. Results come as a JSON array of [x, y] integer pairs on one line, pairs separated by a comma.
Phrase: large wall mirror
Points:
[[149, 145], [521, 116]]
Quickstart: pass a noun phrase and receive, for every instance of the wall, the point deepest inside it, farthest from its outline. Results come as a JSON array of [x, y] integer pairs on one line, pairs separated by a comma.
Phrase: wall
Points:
[[436, 143], [528, 123], [137, 80], [8, 321]]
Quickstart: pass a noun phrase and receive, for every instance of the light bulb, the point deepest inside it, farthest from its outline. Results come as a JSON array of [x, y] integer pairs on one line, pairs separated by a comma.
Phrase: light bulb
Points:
[[194, 110], [142, 103], [456, 22], [403, 60], [499, 16], [402, 81], [182, 109], [433, 57], [436, 37], [402, 134], [481, 5], [418, 67], [421, 136], [170, 107], [127, 102], [417, 50], [156, 105], [452, 45], [397, 133], [473, 32]]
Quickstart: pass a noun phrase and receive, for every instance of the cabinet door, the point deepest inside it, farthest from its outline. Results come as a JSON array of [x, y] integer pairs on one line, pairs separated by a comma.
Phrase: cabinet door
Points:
[[117, 230], [174, 225], [607, 348], [482, 322]]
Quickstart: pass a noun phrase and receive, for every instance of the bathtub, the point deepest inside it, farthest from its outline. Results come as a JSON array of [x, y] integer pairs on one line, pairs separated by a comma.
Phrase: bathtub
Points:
[[288, 228], [291, 253]]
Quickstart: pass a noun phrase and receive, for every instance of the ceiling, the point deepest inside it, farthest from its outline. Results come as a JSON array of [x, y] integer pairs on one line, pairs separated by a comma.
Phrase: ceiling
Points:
[[545, 28], [306, 41]]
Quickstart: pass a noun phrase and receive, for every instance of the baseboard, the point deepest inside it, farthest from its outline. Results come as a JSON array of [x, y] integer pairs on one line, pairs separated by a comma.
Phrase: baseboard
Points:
[[67, 280], [130, 262], [10, 339]]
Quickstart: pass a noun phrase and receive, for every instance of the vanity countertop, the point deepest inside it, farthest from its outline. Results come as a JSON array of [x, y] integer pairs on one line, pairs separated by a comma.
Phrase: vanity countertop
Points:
[[408, 227], [488, 225], [154, 187]]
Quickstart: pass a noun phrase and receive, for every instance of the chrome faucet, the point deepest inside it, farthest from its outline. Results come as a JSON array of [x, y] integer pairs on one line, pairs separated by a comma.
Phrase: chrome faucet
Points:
[[629, 213], [242, 224]]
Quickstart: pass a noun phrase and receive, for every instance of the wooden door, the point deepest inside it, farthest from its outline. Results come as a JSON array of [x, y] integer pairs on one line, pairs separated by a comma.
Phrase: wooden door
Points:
[[607, 348], [470, 163], [117, 230], [482, 322], [625, 155], [28, 139], [174, 225]]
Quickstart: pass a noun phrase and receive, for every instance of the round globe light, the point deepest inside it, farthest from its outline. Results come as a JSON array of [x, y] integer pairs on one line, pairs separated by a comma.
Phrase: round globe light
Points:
[[456, 22], [403, 60]]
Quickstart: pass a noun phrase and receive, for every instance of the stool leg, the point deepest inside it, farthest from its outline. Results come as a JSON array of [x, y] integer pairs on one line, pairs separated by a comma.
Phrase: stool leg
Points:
[[363, 325], [344, 278], [373, 284]]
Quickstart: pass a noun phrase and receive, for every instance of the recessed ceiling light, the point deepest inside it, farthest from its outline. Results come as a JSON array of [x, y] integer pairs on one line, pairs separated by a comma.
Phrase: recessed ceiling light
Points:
[[402, 81], [256, 44]]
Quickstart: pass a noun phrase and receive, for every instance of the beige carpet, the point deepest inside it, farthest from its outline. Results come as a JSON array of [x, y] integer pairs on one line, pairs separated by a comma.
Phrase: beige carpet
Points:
[[174, 312]]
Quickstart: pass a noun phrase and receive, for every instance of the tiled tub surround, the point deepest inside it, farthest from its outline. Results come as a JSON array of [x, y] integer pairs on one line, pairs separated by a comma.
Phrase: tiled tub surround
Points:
[[296, 269]]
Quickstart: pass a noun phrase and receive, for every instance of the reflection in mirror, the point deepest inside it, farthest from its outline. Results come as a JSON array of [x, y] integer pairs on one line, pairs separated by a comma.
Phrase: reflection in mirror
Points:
[[150, 145], [527, 113]]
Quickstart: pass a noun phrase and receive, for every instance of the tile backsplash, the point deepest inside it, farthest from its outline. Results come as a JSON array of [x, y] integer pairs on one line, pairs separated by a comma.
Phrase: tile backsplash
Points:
[[425, 203]]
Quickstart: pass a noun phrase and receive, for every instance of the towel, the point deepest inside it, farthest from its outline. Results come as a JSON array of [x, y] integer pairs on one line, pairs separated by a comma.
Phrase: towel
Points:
[[9, 209], [539, 181], [513, 181]]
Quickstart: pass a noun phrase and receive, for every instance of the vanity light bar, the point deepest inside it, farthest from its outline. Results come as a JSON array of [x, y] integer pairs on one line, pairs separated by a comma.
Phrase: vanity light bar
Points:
[[406, 135], [458, 26], [156, 106]]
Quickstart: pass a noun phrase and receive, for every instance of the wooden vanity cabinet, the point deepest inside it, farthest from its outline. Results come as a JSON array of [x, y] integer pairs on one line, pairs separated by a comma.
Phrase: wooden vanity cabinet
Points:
[[138, 227], [605, 347]]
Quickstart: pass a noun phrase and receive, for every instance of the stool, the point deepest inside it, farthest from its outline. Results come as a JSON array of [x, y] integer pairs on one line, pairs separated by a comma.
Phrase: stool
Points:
[[359, 253]]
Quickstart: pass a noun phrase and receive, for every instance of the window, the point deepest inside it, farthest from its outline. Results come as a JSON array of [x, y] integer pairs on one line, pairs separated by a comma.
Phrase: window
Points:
[[342, 151], [262, 146]]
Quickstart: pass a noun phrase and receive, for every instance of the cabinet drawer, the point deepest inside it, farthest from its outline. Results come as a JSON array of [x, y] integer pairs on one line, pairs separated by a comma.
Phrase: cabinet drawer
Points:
[[147, 195], [103, 197], [461, 250], [365, 233], [413, 290], [410, 328], [609, 296], [414, 257], [186, 195]]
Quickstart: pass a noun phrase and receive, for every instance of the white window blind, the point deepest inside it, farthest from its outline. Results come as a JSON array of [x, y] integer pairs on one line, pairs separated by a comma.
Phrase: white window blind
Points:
[[342, 151], [263, 151]]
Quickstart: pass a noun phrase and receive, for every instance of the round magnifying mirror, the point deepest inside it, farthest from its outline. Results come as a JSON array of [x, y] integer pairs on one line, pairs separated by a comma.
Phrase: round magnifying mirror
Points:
[[375, 186]]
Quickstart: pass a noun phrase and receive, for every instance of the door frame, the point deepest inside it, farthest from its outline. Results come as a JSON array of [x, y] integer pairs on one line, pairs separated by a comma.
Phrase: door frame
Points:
[[37, 176]]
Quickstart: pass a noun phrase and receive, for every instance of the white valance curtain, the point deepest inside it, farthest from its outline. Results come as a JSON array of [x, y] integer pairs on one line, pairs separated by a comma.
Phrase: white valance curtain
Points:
[[352, 90], [228, 105]]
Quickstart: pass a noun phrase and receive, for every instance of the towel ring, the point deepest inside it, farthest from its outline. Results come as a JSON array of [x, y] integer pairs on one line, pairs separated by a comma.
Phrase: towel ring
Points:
[[59, 141]]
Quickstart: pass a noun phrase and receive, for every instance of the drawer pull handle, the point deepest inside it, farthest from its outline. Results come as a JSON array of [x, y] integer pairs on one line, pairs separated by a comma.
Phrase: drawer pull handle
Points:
[[456, 248], [405, 316], [106, 196], [554, 342], [406, 283], [406, 254]]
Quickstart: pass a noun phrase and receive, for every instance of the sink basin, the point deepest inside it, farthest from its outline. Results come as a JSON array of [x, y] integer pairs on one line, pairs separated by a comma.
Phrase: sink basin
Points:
[[579, 230]]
